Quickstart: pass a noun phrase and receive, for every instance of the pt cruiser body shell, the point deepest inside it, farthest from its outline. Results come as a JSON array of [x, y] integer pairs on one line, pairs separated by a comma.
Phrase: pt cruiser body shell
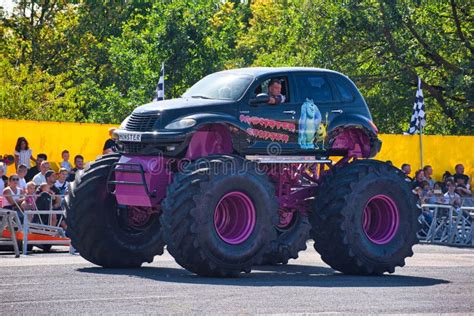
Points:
[[345, 127]]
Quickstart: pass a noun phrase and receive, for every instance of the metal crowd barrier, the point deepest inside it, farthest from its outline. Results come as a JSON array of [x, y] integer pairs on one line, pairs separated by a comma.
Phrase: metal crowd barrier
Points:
[[7, 218], [53, 235], [448, 226]]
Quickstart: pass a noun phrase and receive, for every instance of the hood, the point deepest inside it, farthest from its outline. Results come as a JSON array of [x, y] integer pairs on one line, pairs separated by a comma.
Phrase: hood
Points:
[[177, 104]]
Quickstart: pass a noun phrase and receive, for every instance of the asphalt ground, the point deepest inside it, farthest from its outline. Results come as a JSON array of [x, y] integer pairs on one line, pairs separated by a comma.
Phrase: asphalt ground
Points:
[[436, 280]]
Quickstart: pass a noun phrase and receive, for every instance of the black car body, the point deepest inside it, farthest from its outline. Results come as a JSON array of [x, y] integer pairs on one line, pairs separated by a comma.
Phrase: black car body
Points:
[[235, 100]]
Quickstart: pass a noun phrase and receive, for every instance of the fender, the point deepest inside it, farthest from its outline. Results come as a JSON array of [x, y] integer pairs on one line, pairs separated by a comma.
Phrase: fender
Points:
[[359, 133]]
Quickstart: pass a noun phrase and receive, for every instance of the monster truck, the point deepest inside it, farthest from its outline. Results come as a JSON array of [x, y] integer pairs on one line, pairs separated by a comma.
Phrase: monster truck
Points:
[[228, 181]]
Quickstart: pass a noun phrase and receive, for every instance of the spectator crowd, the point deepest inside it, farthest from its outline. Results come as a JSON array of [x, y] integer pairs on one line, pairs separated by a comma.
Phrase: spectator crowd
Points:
[[452, 189], [35, 185]]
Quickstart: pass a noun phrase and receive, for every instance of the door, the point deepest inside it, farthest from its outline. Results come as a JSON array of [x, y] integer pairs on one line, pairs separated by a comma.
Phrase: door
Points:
[[274, 127], [316, 95]]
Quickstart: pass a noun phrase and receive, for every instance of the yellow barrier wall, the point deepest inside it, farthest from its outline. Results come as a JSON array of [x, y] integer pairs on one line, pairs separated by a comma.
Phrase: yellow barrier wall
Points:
[[52, 138], [441, 152]]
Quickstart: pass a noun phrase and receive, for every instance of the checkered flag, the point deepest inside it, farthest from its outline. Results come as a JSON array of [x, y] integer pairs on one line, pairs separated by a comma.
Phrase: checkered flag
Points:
[[418, 118], [160, 88]]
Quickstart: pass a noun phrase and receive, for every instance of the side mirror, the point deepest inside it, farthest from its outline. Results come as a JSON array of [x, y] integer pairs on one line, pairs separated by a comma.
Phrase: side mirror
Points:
[[260, 98]]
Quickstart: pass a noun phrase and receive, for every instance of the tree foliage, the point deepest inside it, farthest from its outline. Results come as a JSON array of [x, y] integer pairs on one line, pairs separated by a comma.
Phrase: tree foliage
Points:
[[97, 60]]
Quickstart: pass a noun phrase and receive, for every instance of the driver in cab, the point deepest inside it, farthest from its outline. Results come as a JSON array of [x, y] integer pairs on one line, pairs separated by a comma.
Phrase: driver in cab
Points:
[[274, 92]]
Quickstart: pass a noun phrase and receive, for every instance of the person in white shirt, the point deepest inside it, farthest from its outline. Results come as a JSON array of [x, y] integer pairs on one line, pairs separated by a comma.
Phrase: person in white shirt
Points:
[[23, 153], [451, 197], [22, 170], [40, 177]]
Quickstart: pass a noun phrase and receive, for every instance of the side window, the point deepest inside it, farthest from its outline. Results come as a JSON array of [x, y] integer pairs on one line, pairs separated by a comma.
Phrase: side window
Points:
[[262, 87], [344, 87], [315, 87]]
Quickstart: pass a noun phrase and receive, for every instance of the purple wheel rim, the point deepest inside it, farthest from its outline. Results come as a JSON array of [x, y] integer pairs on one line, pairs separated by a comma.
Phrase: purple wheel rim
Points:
[[234, 217], [380, 219]]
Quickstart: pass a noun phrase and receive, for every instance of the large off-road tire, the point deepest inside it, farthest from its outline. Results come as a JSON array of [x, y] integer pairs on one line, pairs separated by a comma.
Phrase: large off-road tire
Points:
[[365, 219], [100, 229], [292, 238], [219, 216]]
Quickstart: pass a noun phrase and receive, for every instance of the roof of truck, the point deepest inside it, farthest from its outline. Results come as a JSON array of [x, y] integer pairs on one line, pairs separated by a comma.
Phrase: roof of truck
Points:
[[258, 71]]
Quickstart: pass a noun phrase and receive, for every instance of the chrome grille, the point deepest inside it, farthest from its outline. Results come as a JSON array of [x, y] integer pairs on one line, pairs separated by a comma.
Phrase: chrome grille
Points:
[[141, 122], [133, 148]]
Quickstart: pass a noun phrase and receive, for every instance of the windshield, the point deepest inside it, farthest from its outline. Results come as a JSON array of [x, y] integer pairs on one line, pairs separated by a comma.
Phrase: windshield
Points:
[[222, 86]]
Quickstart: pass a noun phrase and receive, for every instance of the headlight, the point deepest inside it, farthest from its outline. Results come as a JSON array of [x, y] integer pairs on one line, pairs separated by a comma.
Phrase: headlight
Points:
[[181, 124], [124, 123]]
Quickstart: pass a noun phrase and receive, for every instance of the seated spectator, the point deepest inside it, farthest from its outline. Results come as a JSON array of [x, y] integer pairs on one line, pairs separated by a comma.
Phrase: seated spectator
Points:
[[29, 202], [437, 194], [79, 165], [23, 153], [406, 168], [2, 178], [21, 171], [419, 177], [61, 183], [426, 192], [451, 197], [110, 145], [65, 163], [462, 187], [428, 171], [33, 171], [44, 202], [51, 178], [40, 177], [13, 195], [460, 175]]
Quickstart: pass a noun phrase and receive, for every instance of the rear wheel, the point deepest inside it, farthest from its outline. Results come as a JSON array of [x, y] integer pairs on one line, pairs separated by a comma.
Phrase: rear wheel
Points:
[[293, 233], [218, 216], [365, 219], [105, 233]]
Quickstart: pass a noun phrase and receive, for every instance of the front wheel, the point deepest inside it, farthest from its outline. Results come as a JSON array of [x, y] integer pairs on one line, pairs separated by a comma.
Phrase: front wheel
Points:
[[105, 233], [218, 216], [365, 219]]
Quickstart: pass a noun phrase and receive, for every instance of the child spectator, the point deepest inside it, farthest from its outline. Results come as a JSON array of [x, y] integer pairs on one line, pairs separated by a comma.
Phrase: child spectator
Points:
[[65, 163], [23, 154], [22, 170], [61, 184], [29, 202], [33, 171]]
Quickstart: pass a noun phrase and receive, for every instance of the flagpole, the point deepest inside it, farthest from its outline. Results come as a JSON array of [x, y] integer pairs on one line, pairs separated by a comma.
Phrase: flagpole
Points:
[[421, 147], [163, 67]]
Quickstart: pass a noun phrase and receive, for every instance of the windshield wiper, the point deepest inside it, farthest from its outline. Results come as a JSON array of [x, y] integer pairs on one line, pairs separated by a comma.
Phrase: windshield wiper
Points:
[[200, 97]]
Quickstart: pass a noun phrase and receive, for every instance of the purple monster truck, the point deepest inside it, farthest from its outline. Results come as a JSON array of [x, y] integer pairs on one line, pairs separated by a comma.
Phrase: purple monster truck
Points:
[[227, 180]]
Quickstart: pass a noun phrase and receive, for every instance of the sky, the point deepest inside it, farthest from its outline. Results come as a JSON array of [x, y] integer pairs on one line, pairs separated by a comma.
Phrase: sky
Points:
[[7, 5]]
